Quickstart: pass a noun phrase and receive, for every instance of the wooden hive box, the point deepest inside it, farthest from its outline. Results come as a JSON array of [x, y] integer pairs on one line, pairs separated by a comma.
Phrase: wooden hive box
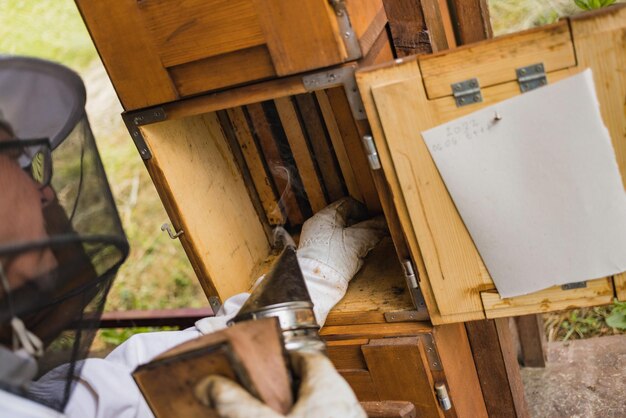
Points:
[[158, 51], [415, 94], [232, 157], [231, 165]]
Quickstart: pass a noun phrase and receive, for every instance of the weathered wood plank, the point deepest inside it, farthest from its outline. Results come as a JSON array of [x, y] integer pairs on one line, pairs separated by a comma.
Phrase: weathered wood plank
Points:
[[217, 72], [600, 45], [379, 286], [347, 354], [435, 219], [254, 161], [305, 27], [227, 249], [495, 360], [351, 136], [532, 340], [494, 62], [127, 55], [409, 33], [278, 168], [322, 150], [400, 371], [470, 19], [195, 29], [338, 146], [460, 372], [361, 383], [300, 150], [389, 409], [597, 292]]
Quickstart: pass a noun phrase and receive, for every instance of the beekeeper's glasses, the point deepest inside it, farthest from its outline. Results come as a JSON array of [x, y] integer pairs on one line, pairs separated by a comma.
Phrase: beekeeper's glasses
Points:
[[32, 155]]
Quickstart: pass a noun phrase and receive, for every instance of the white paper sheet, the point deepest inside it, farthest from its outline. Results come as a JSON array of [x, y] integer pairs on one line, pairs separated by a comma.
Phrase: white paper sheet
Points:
[[539, 190]]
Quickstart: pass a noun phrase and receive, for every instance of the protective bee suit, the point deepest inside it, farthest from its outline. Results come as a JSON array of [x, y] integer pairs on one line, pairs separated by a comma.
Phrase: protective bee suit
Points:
[[61, 240], [58, 265]]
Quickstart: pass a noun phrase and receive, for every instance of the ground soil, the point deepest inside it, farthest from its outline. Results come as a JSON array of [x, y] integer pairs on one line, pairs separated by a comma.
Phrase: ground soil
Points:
[[582, 379]]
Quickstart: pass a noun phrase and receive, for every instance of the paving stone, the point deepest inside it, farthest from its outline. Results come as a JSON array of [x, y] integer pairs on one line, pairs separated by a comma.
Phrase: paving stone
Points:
[[582, 379]]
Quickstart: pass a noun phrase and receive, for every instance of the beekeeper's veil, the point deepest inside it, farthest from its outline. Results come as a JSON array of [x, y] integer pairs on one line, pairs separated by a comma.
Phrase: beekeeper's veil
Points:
[[61, 240]]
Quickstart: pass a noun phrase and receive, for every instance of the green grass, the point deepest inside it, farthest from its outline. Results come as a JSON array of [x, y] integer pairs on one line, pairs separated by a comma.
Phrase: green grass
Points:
[[157, 274], [514, 15], [50, 29]]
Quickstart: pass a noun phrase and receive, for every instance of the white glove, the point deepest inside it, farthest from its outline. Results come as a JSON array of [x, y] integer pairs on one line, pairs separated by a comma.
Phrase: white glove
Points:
[[322, 393], [331, 252]]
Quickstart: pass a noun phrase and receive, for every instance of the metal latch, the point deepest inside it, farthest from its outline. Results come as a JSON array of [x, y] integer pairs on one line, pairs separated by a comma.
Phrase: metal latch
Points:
[[575, 285], [173, 235], [531, 77], [467, 92], [414, 288], [371, 152], [442, 396]]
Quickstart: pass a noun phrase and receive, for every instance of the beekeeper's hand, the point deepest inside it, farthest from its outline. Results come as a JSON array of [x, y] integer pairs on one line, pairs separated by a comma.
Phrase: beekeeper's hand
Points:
[[332, 249], [322, 393], [330, 253]]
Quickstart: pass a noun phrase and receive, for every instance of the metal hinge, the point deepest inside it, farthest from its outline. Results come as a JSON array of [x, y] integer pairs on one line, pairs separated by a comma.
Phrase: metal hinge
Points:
[[531, 77], [414, 287], [442, 395], [342, 76], [133, 120], [371, 152], [406, 316], [575, 285], [434, 363], [353, 49], [466, 92], [215, 303]]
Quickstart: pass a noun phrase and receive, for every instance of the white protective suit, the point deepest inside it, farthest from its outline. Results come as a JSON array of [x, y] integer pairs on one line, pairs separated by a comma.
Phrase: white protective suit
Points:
[[329, 255]]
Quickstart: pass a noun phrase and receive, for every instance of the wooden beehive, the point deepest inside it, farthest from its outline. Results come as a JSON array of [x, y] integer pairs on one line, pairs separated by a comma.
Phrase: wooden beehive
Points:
[[411, 96]]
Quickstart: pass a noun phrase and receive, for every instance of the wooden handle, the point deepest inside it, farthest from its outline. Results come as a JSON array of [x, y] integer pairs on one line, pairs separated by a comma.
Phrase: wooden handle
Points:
[[389, 409]]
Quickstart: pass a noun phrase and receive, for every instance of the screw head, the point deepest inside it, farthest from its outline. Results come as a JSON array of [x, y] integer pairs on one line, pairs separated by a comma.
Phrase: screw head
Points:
[[476, 98]]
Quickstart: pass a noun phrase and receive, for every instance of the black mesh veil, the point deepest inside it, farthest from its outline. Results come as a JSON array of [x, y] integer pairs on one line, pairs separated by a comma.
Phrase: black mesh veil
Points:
[[61, 239]]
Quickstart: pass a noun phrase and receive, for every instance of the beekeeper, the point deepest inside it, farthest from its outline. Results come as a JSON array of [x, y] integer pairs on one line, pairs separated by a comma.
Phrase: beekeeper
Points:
[[61, 244]]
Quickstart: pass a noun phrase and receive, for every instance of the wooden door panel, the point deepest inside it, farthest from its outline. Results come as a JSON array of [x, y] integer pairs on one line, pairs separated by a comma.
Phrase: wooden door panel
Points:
[[399, 371], [185, 31], [596, 292], [128, 52], [361, 383], [399, 101]]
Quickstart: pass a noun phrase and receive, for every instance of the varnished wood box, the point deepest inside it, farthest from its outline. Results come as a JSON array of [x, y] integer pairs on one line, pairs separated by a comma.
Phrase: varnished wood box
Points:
[[158, 51], [412, 95], [232, 163]]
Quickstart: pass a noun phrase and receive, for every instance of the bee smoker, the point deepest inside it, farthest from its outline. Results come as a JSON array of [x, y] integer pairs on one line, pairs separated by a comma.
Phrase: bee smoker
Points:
[[283, 294]]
